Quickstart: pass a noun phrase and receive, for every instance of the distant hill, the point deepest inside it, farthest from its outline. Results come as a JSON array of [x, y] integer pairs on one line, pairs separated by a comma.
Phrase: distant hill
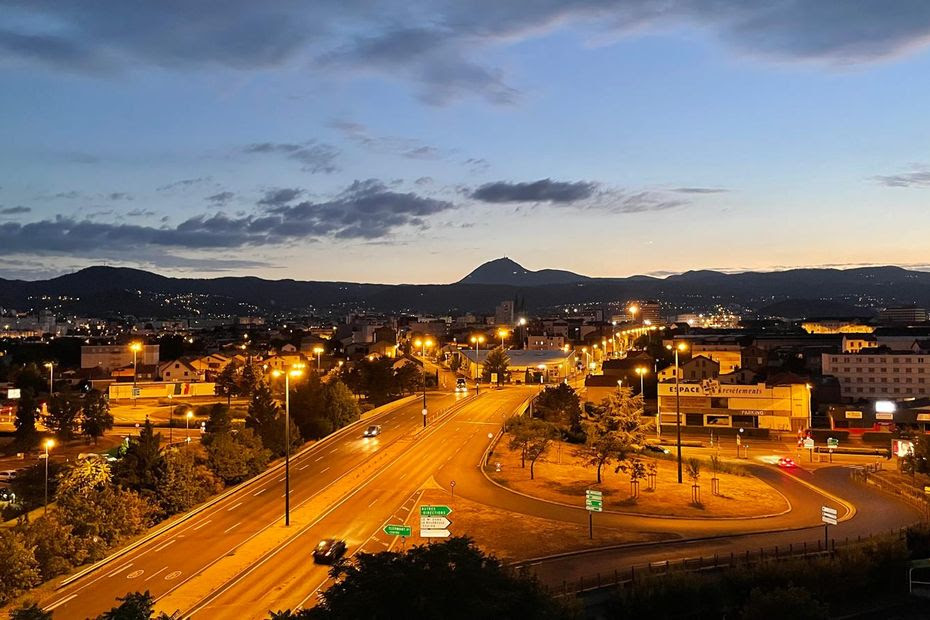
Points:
[[110, 291], [507, 271]]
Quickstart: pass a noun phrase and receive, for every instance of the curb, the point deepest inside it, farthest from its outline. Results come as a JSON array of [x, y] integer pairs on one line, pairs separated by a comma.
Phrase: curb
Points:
[[364, 418]]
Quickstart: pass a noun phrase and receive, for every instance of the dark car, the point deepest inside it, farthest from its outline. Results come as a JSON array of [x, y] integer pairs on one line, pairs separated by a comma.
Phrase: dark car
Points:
[[372, 431], [651, 447], [329, 551]]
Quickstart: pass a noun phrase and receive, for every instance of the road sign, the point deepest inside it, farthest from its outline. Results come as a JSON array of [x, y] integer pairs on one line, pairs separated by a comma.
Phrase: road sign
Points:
[[828, 515], [833, 442], [398, 530], [136, 392], [808, 444], [593, 494], [593, 500], [435, 533], [435, 511], [434, 523]]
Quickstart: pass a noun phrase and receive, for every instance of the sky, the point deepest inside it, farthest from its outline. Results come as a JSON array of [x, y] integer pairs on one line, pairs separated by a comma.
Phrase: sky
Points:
[[411, 141]]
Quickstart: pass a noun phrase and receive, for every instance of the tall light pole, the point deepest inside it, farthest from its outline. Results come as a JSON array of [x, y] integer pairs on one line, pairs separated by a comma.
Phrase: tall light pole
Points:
[[293, 372], [135, 347], [319, 365], [679, 347], [502, 333], [187, 425], [51, 377], [641, 371], [49, 443], [477, 340]]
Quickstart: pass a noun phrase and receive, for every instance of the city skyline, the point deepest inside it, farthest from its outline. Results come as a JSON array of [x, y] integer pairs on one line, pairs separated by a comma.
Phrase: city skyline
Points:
[[609, 139]]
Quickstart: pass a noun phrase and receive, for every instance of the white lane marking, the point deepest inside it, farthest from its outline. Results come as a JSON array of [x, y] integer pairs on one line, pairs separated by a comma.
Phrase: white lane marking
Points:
[[404, 475], [317, 460], [170, 542], [259, 492], [325, 470], [134, 574], [119, 570], [281, 479], [152, 576], [304, 467], [232, 527], [289, 491], [234, 506], [333, 450], [173, 575], [373, 502], [202, 524], [60, 602]]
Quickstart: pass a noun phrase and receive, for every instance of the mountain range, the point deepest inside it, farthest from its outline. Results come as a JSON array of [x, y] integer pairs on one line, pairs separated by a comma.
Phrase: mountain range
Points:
[[115, 291]]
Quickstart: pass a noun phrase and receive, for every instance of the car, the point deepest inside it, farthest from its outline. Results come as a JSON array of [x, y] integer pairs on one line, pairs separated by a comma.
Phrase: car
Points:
[[7, 495], [7, 475], [787, 462], [461, 385], [651, 447], [329, 551], [372, 431]]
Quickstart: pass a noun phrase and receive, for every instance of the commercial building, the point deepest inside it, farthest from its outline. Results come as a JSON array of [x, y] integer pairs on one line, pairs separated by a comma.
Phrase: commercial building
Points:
[[525, 366], [110, 357], [710, 404], [874, 374], [503, 314], [903, 315]]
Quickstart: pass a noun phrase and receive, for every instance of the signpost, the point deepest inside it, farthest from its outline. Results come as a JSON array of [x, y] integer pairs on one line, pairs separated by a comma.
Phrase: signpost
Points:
[[809, 446], [593, 502], [828, 516], [433, 521], [398, 530]]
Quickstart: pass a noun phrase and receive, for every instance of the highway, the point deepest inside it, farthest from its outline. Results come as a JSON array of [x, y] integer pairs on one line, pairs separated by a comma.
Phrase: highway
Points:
[[171, 559], [286, 577]]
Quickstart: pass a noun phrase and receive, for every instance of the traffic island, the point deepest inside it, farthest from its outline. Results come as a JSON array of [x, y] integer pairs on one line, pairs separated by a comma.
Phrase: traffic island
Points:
[[504, 533], [561, 476]]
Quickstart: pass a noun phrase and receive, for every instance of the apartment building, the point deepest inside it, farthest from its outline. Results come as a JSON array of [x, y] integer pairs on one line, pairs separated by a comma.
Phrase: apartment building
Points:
[[879, 374]]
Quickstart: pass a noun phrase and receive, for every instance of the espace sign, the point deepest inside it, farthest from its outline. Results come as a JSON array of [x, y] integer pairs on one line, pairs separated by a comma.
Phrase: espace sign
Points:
[[711, 389]]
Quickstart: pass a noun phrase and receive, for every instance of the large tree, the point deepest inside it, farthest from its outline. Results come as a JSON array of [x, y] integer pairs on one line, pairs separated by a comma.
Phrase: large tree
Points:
[[266, 419], [27, 437], [497, 362], [96, 419], [139, 467], [451, 579], [617, 428], [541, 435], [229, 380], [559, 405], [63, 410], [19, 570], [235, 457], [183, 481], [339, 404]]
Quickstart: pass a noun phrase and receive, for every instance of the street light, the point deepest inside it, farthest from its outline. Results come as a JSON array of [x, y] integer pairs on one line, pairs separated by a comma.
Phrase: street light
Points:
[[187, 425], [135, 347], [502, 333], [319, 366], [51, 377], [477, 341], [49, 443], [641, 371], [679, 347], [293, 372], [633, 310]]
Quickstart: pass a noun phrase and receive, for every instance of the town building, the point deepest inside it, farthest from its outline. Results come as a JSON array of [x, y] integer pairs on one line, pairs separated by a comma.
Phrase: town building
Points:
[[878, 374], [711, 404], [902, 315], [525, 366], [503, 313], [110, 357]]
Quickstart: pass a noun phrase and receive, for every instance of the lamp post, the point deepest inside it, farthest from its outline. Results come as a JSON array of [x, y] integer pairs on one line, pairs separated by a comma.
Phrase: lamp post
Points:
[[187, 425], [49, 443], [477, 340], [641, 371], [51, 377], [503, 333], [135, 347], [679, 347], [319, 364], [293, 372]]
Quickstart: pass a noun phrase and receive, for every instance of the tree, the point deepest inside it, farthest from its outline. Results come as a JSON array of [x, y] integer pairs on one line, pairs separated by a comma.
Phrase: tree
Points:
[[339, 404], [134, 606], [235, 457], [497, 363], [541, 435], [183, 482], [248, 380], [27, 437], [96, 419], [408, 377], [19, 570], [63, 410], [139, 466], [455, 362], [559, 405], [265, 418], [790, 602], [30, 611], [104, 517], [452, 579], [617, 428], [518, 427], [31, 378], [55, 547], [228, 381], [219, 421]]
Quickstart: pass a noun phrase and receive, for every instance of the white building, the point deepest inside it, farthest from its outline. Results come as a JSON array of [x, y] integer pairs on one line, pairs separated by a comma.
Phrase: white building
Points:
[[879, 374]]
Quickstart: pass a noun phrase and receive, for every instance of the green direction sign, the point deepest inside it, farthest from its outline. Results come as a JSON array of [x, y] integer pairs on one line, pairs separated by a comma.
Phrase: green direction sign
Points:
[[833, 443], [435, 511], [397, 530]]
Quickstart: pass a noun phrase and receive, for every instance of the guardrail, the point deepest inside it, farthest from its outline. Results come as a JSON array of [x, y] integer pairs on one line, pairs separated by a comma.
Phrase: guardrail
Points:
[[636, 575], [866, 475]]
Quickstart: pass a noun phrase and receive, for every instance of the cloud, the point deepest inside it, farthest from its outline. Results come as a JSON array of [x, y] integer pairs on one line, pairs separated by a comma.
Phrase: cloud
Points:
[[313, 156], [544, 190], [365, 210], [119, 196], [700, 190], [183, 183], [220, 199], [918, 177], [278, 197], [424, 181], [410, 148], [140, 213], [18, 210]]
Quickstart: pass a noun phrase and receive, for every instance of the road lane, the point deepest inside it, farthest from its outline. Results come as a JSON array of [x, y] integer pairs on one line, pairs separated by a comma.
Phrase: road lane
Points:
[[221, 529]]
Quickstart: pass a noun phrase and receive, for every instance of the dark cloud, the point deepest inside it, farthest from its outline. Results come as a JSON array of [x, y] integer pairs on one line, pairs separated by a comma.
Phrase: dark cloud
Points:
[[544, 190], [183, 183], [140, 213], [365, 210], [281, 196], [919, 177], [119, 196], [424, 181], [477, 164], [220, 199], [18, 210], [700, 190], [313, 156]]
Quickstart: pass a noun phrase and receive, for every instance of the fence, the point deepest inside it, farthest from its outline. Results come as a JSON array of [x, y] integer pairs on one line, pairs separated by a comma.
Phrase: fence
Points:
[[635, 575], [866, 475]]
